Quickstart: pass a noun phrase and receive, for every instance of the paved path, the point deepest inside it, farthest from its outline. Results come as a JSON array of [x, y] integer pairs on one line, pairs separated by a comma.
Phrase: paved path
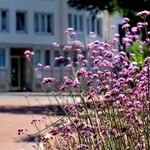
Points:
[[14, 115]]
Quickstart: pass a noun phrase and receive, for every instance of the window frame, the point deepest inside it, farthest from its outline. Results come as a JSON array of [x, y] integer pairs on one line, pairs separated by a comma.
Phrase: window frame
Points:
[[7, 20], [36, 55], [45, 61], [26, 21], [92, 25], [39, 14], [100, 20], [74, 20]]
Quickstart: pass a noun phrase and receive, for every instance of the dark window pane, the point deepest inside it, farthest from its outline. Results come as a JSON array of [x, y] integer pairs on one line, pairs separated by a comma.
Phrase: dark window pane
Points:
[[81, 23], [37, 57], [88, 25], [20, 21], [2, 58], [93, 25], [75, 23], [47, 57], [43, 23], [4, 20], [99, 27], [49, 23], [69, 20], [36, 23], [14, 72]]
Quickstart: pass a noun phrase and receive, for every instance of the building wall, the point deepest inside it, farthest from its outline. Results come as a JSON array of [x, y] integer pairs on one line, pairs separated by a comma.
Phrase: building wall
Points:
[[31, 40], [30, 37]]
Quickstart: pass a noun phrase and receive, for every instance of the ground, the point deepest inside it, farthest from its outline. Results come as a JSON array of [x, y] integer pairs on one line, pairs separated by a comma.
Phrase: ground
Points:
[[17, 111]]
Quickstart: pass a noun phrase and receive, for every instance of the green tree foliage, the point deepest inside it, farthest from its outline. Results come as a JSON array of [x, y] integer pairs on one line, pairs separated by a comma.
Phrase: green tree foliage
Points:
[[126, 7], [139, 52]]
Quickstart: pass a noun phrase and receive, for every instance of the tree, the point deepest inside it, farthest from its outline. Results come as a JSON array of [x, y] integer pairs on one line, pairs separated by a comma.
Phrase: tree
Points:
[[126, 7]]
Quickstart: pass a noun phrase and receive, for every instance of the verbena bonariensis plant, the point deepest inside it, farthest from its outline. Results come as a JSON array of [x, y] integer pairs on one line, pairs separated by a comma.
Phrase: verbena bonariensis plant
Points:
[[112, 111]]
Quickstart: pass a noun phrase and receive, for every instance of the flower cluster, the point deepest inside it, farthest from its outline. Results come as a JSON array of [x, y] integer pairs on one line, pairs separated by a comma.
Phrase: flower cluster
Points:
[[28, 54], [112, 110]]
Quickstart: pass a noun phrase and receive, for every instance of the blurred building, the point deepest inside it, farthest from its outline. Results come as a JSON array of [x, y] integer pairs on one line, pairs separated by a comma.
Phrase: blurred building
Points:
[[35, 25]]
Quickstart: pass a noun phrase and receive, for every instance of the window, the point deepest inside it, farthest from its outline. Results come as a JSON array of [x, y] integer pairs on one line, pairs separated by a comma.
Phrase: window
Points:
[[47, 57], [88, 25], [99, 27], [75, 21], [81, 23], [21, 22], [36, 22], [2, 58], [43, 23], [49, 23], [3, 20], [37, 57], [69, 20], [94, 25]]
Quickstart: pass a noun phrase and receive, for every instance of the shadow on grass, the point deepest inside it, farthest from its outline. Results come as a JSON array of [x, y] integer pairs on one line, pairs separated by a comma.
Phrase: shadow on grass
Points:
[[44, 109]]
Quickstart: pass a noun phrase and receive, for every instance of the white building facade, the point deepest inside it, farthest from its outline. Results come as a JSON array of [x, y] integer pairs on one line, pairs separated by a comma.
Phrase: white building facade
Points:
[[35, 25]]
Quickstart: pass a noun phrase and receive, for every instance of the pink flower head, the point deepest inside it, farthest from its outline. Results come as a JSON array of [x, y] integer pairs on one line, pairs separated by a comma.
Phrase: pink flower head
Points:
[[125, 20], [117, 35], [105, 63], [46, 67], [67, 48], [79, 51], [70, 33], [68, 30], [77, 44], [56, 45], [67, 81], [125, 26], [82, 73], [143, 13], [56, 59], [69, 66], [140, 25], [28, 54], [92, 35], [61, 58], [48, 80], [108, 54], [80, 56], [39, 65], [113, 27], [134, 29], [73, 35], [85, 62]]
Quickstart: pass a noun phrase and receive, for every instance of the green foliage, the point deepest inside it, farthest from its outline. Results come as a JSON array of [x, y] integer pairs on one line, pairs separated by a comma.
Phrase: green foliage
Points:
[[139, 52], [127, 7]]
